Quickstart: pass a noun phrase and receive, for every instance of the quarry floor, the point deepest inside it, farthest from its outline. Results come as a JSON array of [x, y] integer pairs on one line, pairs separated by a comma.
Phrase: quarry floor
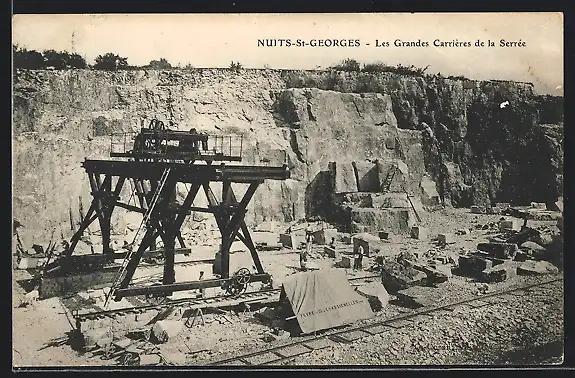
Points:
[[42, 331]]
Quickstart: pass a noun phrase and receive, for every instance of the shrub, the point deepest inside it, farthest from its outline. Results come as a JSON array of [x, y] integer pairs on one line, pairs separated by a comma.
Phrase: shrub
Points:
[[27, 59], [110, 61], [161, 64], [236, 65], [32, 59], [347, 65], [377, 67]]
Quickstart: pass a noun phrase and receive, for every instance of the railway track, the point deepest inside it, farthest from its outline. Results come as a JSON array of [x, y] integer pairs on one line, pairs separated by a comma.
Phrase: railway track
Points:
[[190, 303], [282, 353]]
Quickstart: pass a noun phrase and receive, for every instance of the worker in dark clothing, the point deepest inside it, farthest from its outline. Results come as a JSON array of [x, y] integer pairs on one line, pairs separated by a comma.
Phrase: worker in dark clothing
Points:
[[203, 289], [304, 253], [332, 242], [357, 261]]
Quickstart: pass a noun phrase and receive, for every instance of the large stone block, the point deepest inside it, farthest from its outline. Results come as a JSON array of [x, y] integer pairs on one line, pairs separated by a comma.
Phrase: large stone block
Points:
[[324, 236], [510, 224], [429, 194], [345, 262], [355, 199], [164, 330], [343, 177], [474, 265], [387, 200], [536, 268], [446, 238], [371, 244], [291, 240], [419, 232], [397, 182], [396, 276], [376, 294], [397, 221], [331, 252], [367, 176], [499, 273], [499, 250]]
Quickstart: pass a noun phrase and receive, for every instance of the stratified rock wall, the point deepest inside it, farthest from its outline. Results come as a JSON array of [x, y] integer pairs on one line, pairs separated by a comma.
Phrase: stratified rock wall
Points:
[[305, 119]]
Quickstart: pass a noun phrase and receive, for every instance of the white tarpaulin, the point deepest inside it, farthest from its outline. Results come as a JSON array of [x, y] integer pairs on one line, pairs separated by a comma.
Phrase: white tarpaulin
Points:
[[324, 299]]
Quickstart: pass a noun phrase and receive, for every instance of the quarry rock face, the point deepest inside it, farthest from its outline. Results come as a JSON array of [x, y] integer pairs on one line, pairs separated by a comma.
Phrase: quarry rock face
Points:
[[305, 119]]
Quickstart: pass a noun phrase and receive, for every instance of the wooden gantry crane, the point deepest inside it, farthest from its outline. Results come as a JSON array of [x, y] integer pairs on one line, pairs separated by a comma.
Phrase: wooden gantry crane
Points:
[[153, 165]]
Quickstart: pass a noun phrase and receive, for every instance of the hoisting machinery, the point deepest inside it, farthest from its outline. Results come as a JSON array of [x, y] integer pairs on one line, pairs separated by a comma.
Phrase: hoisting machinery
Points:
[[153, 164]]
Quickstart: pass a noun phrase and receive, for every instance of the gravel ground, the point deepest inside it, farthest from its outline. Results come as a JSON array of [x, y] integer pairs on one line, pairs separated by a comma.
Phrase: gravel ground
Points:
[[487, 335], [466, 336]]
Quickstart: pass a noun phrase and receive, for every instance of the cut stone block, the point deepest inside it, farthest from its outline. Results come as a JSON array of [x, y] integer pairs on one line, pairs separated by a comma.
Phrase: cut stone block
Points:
[[446, 238], [499, 250], [164, 330], [532, 246], [270, 226], [291, 240], [473, 265], [420, 233], [434, 274], [101, 337], [375, 293], [389, 200], [399, 181], [343, 177], [499, 273], [397, 220], [345, 262], [331, 252], [324, 236], [510, 224], [367, 176], [385, 235], [536, 268], [355, 199], [396, 276], [430, 195], [371, 244], [478, 209]]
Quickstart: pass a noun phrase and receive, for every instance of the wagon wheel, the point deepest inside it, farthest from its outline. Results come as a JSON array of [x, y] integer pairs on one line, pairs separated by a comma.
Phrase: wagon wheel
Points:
[[155, 299], [239, 282], [243, 276], [233, 288]]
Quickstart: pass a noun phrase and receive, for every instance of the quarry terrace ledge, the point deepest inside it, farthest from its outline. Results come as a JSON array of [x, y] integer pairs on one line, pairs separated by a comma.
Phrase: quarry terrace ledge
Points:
[[187, 173]]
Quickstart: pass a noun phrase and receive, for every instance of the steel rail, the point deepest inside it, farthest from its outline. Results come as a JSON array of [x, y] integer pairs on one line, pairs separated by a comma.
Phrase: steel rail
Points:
[[426, 310]]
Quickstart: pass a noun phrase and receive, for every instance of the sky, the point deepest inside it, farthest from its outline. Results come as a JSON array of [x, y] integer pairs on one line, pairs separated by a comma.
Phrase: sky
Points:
[[215, 40]]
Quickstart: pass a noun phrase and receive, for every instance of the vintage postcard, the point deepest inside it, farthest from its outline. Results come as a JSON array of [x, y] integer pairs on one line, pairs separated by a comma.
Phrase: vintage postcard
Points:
[[216, 190]]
